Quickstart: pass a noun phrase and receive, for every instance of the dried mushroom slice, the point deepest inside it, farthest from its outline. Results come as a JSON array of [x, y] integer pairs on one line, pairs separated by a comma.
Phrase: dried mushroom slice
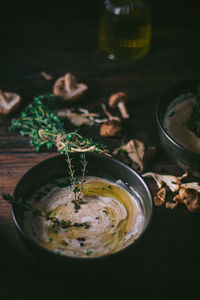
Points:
[[171, 181], [68, 88], [8, 102], [136, 151], [135, 154], [171, 205], [111, 128], [183, 176], [159, 198], [191, 185], [83, 117], [190, 198], [76, 119]]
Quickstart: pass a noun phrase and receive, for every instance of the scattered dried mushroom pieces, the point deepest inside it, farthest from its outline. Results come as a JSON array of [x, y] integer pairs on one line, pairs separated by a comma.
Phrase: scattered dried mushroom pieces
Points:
[[188, 193], [68, 88], [190, 197], [8, 102], [171, 181], [135, 154], [82, 117]]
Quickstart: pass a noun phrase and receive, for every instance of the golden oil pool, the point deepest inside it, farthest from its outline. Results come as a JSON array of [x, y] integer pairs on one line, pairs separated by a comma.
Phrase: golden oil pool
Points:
[[125, 29]]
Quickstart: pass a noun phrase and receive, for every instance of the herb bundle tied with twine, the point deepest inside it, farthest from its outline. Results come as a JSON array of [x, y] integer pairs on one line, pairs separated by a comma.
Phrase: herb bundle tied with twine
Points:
[[45, 128]]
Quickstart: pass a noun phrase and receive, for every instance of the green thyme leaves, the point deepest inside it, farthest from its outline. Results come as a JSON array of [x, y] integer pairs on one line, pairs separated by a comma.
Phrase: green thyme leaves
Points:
[[77, 184], [45, 129], [11, 199], [56, 224]]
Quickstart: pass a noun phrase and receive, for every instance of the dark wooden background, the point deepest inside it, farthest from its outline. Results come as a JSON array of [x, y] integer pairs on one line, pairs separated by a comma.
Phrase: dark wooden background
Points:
[[64, 39]]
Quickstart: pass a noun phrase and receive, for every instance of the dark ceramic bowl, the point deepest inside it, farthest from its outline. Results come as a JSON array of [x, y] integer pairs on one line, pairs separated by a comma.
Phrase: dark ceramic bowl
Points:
[[53, 168], [184, 158]]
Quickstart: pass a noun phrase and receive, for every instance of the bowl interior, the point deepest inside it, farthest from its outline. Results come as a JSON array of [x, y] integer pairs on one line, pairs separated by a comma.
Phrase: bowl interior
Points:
[[98, 165], [171, 94]]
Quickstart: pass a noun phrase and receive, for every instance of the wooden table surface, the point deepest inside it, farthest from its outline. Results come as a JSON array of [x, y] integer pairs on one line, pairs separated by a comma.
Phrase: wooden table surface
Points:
[[167, 263]]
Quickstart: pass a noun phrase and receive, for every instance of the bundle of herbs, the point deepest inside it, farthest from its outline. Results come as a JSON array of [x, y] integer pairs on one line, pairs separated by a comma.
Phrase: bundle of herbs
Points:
[[45, 129]]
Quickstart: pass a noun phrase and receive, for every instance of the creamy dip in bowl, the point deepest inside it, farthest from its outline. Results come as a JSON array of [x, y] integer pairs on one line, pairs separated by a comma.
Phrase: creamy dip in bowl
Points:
[[173, 114], [112, 218], [115, 209]]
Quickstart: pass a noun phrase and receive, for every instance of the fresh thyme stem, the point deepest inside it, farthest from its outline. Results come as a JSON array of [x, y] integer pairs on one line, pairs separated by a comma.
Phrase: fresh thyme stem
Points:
[[76, 184], [56, 223], [79, 200]]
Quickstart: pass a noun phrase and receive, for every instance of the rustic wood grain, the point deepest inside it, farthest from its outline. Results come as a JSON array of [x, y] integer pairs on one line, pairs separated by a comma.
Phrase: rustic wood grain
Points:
[[167, 264]]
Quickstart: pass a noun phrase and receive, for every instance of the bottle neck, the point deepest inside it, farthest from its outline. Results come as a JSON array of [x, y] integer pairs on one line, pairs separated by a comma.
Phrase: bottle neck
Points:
[[119, 7], [125, 7]]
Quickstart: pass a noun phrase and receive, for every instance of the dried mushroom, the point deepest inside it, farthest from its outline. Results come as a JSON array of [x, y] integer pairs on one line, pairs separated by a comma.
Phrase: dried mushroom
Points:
[[159, 198], [75, 118], [190, 198], [171, 181], [183, 176], [68, 88], [188, 193], [83, 117], [171, 205], [135, 154], [118, 100], [92, 116], [8, 102], [191, 185], [111, 128]]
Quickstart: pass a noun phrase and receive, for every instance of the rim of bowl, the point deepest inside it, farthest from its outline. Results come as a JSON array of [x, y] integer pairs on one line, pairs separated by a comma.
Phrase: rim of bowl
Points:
[[65, 257], [160, 123]]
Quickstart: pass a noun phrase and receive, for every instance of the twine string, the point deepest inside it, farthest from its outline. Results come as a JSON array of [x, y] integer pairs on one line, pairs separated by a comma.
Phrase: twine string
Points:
[[58, 139], [60, 142]]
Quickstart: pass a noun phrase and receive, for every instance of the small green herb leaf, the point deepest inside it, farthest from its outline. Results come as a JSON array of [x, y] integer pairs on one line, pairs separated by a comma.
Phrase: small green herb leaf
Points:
[[89, 252]]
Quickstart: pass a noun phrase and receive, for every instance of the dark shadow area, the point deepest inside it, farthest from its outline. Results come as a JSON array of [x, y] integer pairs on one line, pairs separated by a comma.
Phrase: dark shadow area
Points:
[[166, 14]]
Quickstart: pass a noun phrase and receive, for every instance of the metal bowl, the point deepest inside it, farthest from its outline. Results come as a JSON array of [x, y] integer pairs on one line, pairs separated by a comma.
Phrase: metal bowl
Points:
[[184, 158], [98, 165]]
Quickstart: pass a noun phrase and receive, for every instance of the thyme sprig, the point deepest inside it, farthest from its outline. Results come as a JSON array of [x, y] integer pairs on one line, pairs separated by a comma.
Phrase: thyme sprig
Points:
[[45, 128], [56, 224], [194, 122], [76, 183]]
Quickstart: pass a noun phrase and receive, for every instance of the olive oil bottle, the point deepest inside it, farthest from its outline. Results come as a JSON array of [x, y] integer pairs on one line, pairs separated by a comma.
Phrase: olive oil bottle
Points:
[[125, 29]]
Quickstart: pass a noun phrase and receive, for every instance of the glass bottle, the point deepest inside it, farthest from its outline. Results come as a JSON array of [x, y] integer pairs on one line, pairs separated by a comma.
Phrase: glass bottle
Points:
[[125, 29]]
